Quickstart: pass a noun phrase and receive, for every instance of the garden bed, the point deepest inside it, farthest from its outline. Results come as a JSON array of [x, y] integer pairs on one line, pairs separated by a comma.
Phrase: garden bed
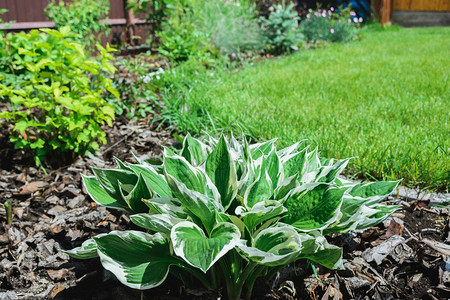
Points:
[[52, 212]]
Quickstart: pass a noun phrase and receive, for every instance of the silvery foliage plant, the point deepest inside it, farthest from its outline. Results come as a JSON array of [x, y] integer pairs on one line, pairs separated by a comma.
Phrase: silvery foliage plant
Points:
[[225, 212]]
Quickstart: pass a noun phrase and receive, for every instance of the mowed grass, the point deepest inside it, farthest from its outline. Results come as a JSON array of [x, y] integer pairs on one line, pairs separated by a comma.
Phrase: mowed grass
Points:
[[383, 99]]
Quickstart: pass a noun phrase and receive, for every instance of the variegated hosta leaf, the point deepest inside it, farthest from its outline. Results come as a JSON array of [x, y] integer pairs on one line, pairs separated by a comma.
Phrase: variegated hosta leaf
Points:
[[99, 194], [201, 206], [221, 169], [291, 149], [360, 207], [295, 163], [191, 244], [194, 151], [258, 191], [192, 177], [171, 206], [313, 206], [157, 223], [285, 187], [87, 250], [317, 249], [329, 173], [273, 246], [260, 212], [274, 168], [154, 181], [109, 179], [138, 260], [260, 149], [134, 197]]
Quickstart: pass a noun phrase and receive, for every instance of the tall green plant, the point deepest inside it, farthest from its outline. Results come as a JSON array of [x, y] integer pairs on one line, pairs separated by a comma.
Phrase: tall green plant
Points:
[[83, 16], [226, 212], [281, 29]]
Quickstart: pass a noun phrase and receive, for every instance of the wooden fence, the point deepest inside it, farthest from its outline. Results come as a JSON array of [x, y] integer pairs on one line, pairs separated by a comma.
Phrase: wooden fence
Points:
[[30, 14], [422, 5]]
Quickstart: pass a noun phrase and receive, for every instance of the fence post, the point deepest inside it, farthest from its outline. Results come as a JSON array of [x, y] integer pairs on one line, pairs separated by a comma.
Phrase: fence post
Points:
[[131, 24]]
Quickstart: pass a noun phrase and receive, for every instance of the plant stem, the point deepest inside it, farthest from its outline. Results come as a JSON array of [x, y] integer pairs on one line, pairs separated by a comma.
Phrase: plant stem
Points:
[[251, 281], [8, 208]]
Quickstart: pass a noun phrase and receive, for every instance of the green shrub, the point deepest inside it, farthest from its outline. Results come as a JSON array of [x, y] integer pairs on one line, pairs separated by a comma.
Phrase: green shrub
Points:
[[227, 212], [231, 26], [83, 16], [55, 92], [330, 25], [281, 29]]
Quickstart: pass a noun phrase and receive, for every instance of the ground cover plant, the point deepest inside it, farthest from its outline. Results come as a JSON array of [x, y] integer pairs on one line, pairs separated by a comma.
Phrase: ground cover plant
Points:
[[363, 99], [226, 212], [55, 93]]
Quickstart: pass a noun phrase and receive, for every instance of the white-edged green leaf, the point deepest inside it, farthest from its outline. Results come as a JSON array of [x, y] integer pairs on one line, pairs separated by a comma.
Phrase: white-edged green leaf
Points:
[[295, 163], [259, 149], [193, 246], [329, 173], [261, 212], [317, 249], [194, 151], [122, 165], [138, 260], [313, 206], [87, 250], [274, 168], [109, 179], [285, 187], [158, 223], [203, 207], [294, 148], [134, 197], [154, 181], [373, 192], [260, 190], [221, 169], [171, 206], [273, 246], [180, 169], [99, 195]]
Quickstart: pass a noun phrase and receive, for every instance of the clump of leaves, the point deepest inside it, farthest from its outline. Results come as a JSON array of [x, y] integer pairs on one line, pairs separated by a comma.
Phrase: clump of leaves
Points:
[[281, 29], [227, 212], [334, 25], [55, 93], [83, 16]]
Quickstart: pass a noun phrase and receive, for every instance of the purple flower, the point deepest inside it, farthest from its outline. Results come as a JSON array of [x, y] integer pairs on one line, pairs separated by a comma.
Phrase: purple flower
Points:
[[332, 30], [360, 19], [349, 20], [355, 19], [332, 8], [352, 13], [308, 16]]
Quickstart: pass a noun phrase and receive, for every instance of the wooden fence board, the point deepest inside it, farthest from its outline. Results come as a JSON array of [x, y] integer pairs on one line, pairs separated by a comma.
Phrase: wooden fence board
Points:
[[422, 5]]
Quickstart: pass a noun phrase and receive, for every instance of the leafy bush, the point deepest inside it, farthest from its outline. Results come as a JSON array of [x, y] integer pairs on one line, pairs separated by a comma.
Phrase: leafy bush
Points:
[[83, 16], [231, 26], [281, 28], [55, 92], [227, 212], [330, 25]]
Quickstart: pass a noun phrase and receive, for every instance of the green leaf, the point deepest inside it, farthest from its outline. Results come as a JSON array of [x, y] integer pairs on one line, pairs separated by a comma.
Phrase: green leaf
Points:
[[294, 163], [194, 151], [313, 206], [181, 170], [191, 244], [154, 180], [87, 250], [202, 206], [138, 260], [158, 223], [260, 190], [171, 206], [329, 173], [134, 197], [109, 179], [317, 249], [373, 191], [222, 171], [261, 212], [99, 195], [273, 246]]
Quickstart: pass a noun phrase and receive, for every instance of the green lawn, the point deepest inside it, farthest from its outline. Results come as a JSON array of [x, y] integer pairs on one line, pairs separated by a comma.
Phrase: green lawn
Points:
[[383, 99]]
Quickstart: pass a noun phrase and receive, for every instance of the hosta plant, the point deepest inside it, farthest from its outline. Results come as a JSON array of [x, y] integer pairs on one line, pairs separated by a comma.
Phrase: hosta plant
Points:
[[225, 212]]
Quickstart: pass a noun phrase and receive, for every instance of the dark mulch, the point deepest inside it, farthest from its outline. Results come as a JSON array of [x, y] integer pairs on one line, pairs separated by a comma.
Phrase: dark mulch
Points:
[[406, 257]]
